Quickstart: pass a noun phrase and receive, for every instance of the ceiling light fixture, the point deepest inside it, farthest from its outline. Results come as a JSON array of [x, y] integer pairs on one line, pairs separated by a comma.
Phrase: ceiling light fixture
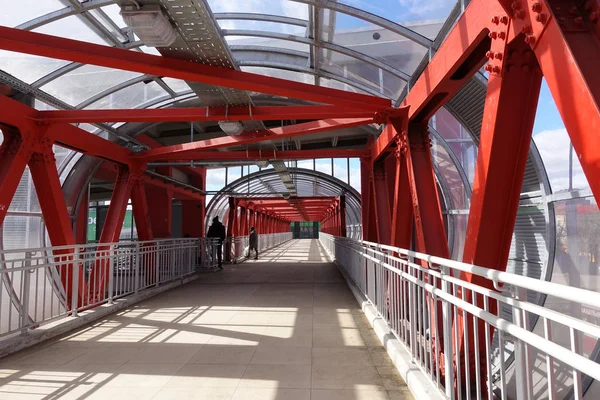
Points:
[[231, 128], [150, 24]]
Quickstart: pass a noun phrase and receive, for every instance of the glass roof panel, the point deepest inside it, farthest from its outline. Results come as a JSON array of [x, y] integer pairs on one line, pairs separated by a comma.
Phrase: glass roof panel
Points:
[[281, 73], [130, 97], [112, 25], [335, 84], [262, 26], [423, 17], [14, 13], [28, 68], [114, 12], [177, 85], [362, 73], [85, 82], [379, 43], [72, 28], [267, 42], [275, 7]]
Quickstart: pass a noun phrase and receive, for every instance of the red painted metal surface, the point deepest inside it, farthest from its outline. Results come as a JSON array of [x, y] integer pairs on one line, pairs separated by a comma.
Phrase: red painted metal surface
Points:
[[508, 118], [87, 53], [288, 131], [14, 157], [266, 113]]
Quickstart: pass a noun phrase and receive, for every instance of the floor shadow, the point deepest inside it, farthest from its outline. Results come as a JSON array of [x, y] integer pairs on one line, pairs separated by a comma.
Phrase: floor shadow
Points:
[[272, 330]]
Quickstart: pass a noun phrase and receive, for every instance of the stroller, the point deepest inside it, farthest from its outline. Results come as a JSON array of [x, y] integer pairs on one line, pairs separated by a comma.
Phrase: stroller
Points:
[[247, 252]]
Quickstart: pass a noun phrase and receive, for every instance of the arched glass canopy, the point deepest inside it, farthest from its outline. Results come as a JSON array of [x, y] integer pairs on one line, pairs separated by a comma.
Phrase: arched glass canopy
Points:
[[309, 183]]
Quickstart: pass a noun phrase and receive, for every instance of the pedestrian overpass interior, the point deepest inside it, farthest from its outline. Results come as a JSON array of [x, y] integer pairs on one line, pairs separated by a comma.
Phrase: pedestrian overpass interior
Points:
[[446, 151]]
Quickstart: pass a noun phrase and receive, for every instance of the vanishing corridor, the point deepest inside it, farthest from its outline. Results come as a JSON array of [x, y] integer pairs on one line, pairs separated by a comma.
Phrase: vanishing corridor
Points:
[[285, 327]]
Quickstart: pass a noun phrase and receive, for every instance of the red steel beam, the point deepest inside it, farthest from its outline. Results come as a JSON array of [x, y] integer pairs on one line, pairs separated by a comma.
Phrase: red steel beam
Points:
[[283, 132], [461, 54], [14, 157], [267, 154], [21, 116], [88, 53], [506, 131], [267, 113]]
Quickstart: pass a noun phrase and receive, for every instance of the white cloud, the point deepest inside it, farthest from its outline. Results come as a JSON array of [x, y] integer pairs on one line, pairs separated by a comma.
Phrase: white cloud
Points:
[[553, 146], [215, 178], [424, 9]]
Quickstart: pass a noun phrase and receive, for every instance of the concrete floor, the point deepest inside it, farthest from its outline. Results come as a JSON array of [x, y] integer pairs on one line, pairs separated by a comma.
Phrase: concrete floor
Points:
[[285, 327]]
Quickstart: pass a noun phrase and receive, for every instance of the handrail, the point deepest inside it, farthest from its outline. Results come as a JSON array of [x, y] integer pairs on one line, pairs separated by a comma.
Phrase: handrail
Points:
[[427, 308], [48, 283]]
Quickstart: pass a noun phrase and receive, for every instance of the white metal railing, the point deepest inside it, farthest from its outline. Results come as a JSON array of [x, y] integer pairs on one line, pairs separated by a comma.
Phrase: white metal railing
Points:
[[33, 281], [239, 244], [518, 350]]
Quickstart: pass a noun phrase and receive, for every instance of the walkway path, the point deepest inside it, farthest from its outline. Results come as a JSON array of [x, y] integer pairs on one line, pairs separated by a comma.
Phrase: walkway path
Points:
[[285, 327]]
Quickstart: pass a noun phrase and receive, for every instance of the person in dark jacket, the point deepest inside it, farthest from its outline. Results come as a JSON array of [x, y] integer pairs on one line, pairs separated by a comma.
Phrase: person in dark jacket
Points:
[[253, 245], [217, 231]]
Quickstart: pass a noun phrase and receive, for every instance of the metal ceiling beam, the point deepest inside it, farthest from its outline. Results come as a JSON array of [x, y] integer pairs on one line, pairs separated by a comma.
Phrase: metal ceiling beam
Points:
[[66, 49], [306, 128], [275, 113]]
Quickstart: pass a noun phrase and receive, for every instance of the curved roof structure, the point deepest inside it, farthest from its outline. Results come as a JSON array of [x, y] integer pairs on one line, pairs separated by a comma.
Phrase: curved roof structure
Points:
[[267, 184]]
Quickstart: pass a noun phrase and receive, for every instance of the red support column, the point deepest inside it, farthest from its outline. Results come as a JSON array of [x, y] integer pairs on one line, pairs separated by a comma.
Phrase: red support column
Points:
[[429, 224], [231, 220], [508, 119], [111, 232], [44, 174], [14, 156], [369, 215], [141, 211], [343, 232], [382, 203], [81, 222], [402, 206], [161, 211]]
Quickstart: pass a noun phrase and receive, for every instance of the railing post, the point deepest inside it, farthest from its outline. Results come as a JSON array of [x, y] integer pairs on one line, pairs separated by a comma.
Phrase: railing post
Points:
[[26, 287], [136, 270], [521, 359], [75, 283], [447, 329], [111, 273]]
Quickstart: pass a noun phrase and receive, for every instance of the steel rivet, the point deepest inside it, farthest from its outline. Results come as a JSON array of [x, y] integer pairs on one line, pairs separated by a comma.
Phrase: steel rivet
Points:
[[536, 7], [495, 20]]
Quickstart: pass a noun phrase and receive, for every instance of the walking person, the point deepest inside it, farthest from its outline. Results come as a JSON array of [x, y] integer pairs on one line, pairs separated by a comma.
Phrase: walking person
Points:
[[253, 245], [217, 231]]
